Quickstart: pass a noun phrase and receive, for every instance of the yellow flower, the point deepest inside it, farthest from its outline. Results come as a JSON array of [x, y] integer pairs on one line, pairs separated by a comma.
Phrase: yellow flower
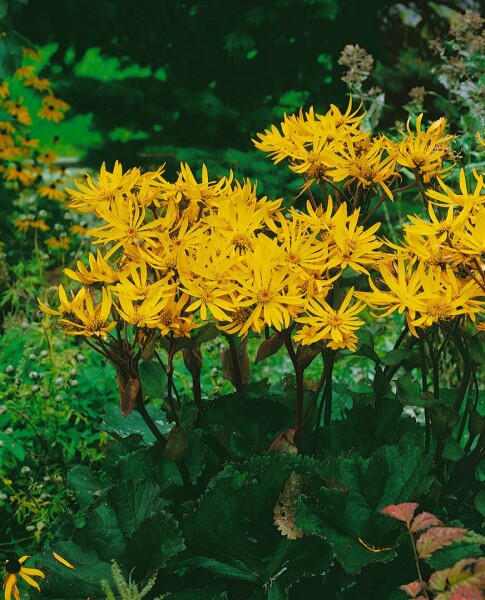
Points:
[[126, 226], [97, 195], [144, 314], [41, 84], [89, 319], [264, 289], [368, 168], [51, 192], [52, 109], [26, 224], [423, 151], [66, 307], [326, 323], [58, 243], [465, 199], [16, 109], [24, 72], [355, 246], [400, 285], [17, 173], [99, 270], [14, 568]]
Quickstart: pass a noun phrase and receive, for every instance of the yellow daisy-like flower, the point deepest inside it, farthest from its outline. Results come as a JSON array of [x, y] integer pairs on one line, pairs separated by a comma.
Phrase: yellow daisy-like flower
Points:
[[15, 568], [89, 319], [326, 323], [52, 109], [98, 194]]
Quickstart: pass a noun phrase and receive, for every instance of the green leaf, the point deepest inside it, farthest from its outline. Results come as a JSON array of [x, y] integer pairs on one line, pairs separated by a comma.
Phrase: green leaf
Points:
[[231, 532], [153, 378], [153, 542], [68, 584], [134, 501], [480, 502], [85, 484], [395, 357], [390, 475], [121, 427], [408, 390], [12, 446]]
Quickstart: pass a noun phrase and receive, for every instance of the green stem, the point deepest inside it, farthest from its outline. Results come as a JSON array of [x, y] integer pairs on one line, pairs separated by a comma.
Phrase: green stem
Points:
[[238, 382]]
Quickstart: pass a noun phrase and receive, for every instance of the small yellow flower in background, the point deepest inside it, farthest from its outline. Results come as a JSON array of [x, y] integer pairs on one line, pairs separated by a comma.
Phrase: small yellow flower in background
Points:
[[17, 173], [24, 72], [26, 224], [31, 53], [41, 84], [58, 243], [16, 109], [4, 90], [52, 108], [15, 568], [51, 192]]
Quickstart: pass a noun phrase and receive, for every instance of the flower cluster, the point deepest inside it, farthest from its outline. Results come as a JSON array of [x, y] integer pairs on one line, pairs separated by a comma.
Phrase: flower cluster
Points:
[[177, 254], [28, 167]]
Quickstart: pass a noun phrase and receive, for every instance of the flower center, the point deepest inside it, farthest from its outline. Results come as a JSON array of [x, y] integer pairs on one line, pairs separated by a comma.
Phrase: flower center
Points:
[[264, 296], [13, 566]]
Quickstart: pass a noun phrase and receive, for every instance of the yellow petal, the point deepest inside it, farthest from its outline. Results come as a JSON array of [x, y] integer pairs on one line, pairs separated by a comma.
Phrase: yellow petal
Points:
[[63, 561], [29, 580]]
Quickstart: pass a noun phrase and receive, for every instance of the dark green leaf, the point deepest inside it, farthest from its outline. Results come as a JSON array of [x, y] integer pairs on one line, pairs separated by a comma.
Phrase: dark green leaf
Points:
[[85, 484], [153, 378]]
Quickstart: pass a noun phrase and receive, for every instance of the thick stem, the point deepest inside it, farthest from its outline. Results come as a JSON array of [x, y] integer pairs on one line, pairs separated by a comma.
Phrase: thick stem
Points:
[[299, 386], [327, 417], [298, 406], [238, 382], [141, 408]]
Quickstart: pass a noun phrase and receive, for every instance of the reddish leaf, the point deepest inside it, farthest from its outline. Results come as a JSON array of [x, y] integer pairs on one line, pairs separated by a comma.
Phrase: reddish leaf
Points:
[[438, 537], [129, 394], [469, 571], [464, 592], [423, 520], [412, 589], [270, 346], [285, 442], [439, 580], [402, 512], [305, 355]]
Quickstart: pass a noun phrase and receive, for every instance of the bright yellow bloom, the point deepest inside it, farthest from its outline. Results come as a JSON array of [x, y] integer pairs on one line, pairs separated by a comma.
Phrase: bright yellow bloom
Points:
[[26, 224], [126, 226], [423, 151], [265, 290], [444, 297], [16, 109], [99, 270], [24, 72], [89, 320], [96, 196], [466, 199], [399, 286], [368, 168], [58, 243], [17, 173], [142, 314], [355, 245], [66, 307], [14, 568], [326, 323]]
